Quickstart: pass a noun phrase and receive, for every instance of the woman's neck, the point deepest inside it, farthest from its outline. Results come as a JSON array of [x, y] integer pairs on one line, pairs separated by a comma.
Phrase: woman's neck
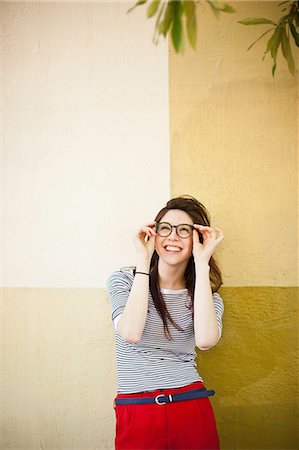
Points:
[[171, 277]]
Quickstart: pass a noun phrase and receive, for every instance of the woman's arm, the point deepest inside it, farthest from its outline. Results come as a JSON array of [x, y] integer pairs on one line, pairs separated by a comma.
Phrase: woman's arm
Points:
[[206, 328], [205, 320], [132, 320]]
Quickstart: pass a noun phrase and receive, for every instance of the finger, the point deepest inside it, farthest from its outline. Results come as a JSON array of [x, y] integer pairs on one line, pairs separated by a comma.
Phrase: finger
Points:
[[203, 227], [152, 231], [214, 232], [150, 224], [199, 228], [147, 230], [195, 237], [220, 235], [151, 227]]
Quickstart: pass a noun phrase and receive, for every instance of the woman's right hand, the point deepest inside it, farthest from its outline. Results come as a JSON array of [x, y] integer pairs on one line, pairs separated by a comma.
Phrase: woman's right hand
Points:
[[144, 241]]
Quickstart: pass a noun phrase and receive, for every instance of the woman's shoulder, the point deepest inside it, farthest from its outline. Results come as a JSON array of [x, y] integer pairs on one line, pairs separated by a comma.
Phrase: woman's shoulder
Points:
[[218, 302], [217, 296], [124, 275]]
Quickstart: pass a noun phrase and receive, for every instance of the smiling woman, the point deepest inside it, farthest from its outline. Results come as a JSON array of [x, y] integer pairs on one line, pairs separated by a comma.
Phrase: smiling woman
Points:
[[162, 310], [175, 240]]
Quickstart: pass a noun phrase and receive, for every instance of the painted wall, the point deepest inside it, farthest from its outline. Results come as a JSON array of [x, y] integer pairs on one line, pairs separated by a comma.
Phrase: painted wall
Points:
[[84, 114], [234, 145], [89, 120]]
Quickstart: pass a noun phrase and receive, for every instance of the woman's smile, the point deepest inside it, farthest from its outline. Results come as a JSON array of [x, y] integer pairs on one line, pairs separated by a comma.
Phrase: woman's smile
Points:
[[173, 249]]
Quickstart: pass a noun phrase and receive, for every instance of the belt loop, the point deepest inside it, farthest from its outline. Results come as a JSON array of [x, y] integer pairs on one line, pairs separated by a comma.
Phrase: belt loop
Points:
[[170, 398]]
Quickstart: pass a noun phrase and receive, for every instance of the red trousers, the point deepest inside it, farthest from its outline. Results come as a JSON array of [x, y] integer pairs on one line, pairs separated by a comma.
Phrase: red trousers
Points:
[[189, 424]]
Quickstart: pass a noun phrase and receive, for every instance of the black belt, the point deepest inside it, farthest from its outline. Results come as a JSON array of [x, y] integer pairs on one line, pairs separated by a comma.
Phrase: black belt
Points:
[[162, 399]]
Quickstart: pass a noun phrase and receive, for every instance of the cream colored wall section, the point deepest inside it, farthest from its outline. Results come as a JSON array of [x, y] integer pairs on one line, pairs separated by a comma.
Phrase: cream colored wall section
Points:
[[84, 99], [85, 117], [234, 144]]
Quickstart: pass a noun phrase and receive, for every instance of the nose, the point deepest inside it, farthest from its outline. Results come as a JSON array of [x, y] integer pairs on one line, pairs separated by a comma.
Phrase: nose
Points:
[[173, 234]]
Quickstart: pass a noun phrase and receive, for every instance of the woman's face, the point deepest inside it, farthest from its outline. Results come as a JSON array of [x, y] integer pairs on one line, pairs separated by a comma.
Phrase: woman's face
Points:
[[173, 249]]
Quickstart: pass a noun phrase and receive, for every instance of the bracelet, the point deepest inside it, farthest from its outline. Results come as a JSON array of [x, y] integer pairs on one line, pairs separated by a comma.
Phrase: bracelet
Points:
[[143, 273]]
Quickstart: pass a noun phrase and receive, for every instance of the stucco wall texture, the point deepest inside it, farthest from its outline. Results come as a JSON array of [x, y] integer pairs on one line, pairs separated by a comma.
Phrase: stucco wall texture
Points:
[[234, 145], [58, 369], [75, 86], [81, 117]]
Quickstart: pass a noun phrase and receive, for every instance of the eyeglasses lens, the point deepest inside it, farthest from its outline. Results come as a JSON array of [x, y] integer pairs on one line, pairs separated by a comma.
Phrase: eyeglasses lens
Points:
[[184, 231], [165, 229]]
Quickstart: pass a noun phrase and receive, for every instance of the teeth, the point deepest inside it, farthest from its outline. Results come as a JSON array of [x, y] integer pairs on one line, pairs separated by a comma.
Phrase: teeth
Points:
[[172, 249]]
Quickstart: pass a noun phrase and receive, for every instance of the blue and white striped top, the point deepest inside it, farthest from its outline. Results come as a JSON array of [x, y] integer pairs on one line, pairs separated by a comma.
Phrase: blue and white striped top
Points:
[[156, 362]]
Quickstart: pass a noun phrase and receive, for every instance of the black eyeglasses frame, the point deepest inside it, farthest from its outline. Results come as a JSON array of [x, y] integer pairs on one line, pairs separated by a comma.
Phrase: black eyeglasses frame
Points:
[[176, 228]]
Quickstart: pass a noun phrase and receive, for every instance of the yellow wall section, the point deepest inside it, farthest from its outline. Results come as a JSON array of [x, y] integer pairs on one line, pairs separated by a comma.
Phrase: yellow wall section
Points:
[[59, 376], [58, 369], [234, 144], [254, 369]]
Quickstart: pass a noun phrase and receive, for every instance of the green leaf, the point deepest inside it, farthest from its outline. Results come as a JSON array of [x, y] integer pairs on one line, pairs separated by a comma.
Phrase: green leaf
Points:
[[222, 6], [284, 19], [164, 25], [176, 29], [215, 10], [161, 11], [273, 45], [294, 33], [274, 42], [152, 8], [287, 52], [189, 8], [283, 3], [256, 21], [140, 2], [262, 35]]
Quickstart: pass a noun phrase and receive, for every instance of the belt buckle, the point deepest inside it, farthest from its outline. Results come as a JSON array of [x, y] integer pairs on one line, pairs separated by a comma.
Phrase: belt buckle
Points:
[[157, 399]]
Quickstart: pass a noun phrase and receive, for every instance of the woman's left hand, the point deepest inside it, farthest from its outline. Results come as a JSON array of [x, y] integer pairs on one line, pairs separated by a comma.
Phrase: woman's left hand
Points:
[[211, 239]]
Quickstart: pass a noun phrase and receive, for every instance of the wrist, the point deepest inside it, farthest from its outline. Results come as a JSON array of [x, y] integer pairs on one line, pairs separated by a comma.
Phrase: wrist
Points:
[[201, 266], [143, 265]]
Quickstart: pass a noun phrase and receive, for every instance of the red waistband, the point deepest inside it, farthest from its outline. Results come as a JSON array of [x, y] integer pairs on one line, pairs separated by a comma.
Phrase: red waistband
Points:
[[195, 385]]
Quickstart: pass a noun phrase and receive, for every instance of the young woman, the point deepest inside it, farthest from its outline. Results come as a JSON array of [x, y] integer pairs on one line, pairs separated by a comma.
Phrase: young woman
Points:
[[162, 310]]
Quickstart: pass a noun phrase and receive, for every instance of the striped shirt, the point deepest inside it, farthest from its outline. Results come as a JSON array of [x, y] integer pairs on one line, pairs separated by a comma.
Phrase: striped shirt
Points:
[[156, 362]]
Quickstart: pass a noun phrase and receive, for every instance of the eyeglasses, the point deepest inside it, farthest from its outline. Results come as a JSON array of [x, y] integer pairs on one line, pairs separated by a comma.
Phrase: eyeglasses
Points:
[[164, 229]]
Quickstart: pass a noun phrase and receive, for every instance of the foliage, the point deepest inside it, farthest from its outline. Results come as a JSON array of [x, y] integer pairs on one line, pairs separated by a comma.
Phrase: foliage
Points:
[[172, 15], [287, 24]]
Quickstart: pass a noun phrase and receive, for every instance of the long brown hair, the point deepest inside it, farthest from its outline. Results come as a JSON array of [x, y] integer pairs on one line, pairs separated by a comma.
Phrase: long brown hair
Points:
[[200, 215]]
